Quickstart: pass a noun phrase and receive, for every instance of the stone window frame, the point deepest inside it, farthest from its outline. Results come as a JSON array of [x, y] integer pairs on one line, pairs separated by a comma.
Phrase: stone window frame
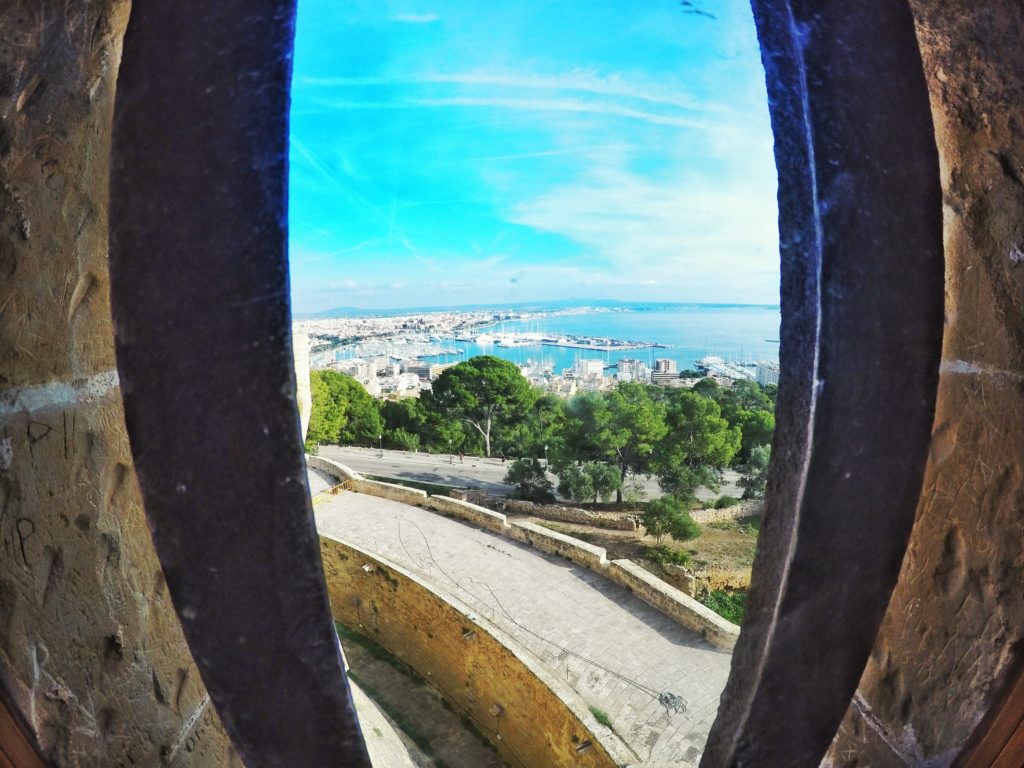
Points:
[[200, 299]]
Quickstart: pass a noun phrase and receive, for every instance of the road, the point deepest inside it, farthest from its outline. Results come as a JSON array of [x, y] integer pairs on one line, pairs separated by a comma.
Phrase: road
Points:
[[470, 471]]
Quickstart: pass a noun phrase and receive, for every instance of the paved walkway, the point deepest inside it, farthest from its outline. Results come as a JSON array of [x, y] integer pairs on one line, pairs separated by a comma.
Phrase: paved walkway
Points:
[[616, 651]]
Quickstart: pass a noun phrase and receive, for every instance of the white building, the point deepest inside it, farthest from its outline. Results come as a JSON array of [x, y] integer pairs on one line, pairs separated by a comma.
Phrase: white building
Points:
[[631, 369], [767, 373], [589, 368]]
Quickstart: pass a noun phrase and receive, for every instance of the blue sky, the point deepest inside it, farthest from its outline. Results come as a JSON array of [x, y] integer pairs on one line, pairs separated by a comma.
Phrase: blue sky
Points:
[[456, 152]]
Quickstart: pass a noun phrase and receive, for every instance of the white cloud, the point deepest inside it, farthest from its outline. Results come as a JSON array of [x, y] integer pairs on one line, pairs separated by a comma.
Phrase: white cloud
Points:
[[582, 82], [717, 233]]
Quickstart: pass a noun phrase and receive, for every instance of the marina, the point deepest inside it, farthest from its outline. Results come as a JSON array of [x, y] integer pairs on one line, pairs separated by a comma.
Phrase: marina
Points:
[[739, 336]]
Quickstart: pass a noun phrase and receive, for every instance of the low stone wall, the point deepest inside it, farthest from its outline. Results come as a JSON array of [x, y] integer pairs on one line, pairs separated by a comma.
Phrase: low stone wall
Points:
[[529, 714], [332, 468], [738, 512], [674, 603], [404, 494], [648, 587], [481, 516], [353, 481], [559, 544], [562, 514]]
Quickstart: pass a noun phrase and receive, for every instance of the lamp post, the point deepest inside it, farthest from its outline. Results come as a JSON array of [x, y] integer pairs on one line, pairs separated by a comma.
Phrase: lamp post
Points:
[[380, 445], [451, 458], [545, 457]]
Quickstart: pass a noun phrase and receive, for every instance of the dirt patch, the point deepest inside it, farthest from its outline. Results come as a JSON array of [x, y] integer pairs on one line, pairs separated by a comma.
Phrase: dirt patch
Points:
[[720, 558]]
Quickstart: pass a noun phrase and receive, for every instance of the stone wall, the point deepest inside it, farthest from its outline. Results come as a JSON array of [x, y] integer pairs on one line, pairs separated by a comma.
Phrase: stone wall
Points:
[[674, 603], [951, 638], [91, 651], [463, 510], [556, 543], [738, 512], [530, 716], [562, 514]]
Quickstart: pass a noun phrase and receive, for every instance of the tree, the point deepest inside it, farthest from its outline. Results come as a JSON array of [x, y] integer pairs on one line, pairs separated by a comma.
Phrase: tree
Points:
[[621, 427], [744, 394], [574, 483], [697, 445], [407, 414], [588, 482], [668, 515], [757, 428], [327, 414], [604, 478], [754, 474], [529, 476], [364, 424], [484, 392], [401, 439], [707, 387], [343, 411], [541, 426]]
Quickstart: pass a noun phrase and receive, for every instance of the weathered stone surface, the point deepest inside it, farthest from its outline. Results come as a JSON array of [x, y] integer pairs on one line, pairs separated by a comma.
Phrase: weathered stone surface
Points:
[[529, 716], [571, 515], [90, 646], [957, 616]]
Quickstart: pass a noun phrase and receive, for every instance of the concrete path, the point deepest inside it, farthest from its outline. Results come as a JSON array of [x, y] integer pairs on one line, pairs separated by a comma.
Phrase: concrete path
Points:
[[471, 471], [616, 651]]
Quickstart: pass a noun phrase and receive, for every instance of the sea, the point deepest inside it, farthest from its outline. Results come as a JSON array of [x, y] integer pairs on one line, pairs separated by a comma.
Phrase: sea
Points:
[[742, 334]]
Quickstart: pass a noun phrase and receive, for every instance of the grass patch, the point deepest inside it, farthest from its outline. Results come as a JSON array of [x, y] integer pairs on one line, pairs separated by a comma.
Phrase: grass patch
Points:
[[434, 489], [664, 555], [601, 716], [726, 603], [750, 524], [376, 650], [404, 725], [722, 525]]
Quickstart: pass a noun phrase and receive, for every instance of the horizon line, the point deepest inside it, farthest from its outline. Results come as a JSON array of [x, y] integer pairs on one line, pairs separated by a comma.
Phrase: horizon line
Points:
[[583, 304]]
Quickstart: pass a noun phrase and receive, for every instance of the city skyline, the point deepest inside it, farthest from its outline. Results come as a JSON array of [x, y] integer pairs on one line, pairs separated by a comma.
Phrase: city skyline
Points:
[[447, 157]]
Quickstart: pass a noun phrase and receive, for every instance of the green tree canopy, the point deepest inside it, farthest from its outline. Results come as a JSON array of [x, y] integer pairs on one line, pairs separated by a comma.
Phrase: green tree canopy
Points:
[[541, 425], [754, 474], [485, 392], [622, 427], [588, 482], [574, 483], [757, 428], [530, 479], [342, 412], [697, 445]]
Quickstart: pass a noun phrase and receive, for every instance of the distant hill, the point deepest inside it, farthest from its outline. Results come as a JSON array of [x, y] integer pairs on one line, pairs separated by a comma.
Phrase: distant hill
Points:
[[523, 306]]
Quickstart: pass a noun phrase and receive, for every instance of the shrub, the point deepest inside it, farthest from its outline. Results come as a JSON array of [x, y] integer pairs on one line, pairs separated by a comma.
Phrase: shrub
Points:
[[663, 555], [724, 502], [726, 603], [530, 479], [668, 515]]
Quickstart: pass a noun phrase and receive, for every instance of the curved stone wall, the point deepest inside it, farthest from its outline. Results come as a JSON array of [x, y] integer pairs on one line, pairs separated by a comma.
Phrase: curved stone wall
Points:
[[530, 716], [951, 639], [91, 651]]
